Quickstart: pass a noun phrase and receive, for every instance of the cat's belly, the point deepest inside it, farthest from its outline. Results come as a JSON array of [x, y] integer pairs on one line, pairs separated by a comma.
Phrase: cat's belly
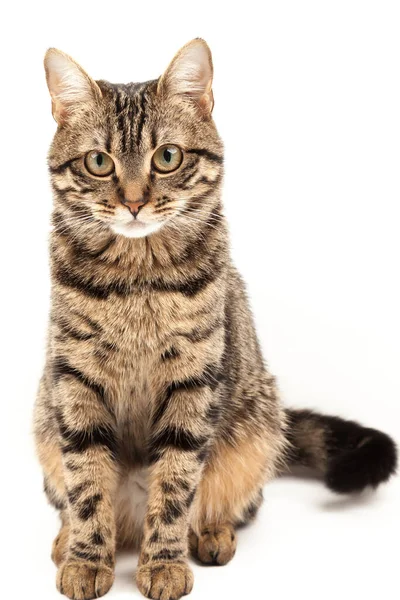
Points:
[[130, 506]]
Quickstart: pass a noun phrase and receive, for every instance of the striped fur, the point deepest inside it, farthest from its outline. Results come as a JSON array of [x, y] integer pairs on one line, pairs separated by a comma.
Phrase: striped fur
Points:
[[156, 419]]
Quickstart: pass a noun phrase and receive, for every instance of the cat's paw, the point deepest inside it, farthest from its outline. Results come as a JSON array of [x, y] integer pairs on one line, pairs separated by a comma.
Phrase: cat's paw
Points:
[[164, 581], [82, 581], [216, 544]]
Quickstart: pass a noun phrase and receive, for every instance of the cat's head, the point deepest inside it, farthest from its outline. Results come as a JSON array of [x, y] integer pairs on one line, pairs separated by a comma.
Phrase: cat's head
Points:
[[135, 158]]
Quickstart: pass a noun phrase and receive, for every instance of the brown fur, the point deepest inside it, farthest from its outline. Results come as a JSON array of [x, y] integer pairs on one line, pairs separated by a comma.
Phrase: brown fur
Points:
[[60, 545], [228, 485], [216, 544], [156, 414]]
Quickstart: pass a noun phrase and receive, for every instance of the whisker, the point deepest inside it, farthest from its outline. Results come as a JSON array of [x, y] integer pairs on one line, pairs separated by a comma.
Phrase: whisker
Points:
[[194, 220]]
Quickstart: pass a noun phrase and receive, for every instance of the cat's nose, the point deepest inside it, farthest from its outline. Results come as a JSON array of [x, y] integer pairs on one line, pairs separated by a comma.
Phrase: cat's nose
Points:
[[134, 206]]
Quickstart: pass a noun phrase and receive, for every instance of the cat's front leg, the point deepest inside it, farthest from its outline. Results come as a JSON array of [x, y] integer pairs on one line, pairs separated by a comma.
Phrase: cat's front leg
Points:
[[182, 432], [88, 444]]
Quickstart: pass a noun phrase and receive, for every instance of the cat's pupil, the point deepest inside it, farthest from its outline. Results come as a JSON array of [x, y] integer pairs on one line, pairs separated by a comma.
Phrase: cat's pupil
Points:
[[167, 156], [99, 160]]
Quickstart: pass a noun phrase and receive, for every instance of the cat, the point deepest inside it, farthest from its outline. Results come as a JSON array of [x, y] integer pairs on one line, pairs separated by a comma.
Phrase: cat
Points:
[[157, 422]]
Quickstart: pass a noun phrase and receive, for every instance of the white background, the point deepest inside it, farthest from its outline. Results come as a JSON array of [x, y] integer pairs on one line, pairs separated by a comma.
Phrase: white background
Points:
[[308, 103]]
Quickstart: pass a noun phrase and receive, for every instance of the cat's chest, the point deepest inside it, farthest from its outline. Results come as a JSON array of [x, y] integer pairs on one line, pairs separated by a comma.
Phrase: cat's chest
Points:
[[141, 327], [138, 330]]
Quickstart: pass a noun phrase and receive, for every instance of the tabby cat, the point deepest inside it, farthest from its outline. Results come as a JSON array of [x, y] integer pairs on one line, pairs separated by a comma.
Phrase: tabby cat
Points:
[[157, 422]]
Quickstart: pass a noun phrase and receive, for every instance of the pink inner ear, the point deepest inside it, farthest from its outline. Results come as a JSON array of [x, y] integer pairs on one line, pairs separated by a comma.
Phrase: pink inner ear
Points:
[[58, 108], [194, 70], [70, 87], [190, 74]]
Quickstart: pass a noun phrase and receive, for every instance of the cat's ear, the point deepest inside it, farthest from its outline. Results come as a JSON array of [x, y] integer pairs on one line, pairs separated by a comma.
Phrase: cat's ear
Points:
[[71, 89], [190, 75]]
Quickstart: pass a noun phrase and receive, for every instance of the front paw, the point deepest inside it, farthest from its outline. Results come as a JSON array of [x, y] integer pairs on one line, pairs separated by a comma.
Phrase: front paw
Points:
[[83, 581], [164, 581]]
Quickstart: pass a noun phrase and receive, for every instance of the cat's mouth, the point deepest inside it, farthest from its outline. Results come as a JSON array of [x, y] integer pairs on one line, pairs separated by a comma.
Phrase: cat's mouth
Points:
[[135, 228]]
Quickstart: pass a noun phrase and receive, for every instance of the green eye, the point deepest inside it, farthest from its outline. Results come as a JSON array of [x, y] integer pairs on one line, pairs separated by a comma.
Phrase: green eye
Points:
[[167, 158], [99, 163]]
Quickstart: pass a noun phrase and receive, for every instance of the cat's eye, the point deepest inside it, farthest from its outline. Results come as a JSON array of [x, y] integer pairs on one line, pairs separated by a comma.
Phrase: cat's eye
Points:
[[167, 158], [99, 163]]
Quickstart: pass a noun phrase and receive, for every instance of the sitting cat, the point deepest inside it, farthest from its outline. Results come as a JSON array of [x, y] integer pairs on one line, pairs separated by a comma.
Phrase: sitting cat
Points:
[[157, 421]]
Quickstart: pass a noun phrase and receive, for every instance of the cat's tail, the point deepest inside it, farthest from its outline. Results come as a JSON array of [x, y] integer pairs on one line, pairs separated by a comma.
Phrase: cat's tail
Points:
[[349, 456]]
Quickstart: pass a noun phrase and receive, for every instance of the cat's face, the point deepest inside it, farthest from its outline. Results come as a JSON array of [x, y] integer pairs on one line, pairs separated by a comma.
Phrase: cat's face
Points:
[[135, 158]]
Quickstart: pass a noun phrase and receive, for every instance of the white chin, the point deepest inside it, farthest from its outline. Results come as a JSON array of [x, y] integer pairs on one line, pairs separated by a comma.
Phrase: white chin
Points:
[[135, 229]]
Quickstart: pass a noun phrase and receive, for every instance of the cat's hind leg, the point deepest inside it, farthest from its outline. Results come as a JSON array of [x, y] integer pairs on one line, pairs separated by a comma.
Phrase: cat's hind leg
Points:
[[54, 488], [228, 496], [60, 545], [216, 542]]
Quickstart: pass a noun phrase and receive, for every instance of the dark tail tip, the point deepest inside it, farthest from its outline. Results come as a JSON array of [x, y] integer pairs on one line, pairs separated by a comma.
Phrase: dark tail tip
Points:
[[369, 464], [350, 457]]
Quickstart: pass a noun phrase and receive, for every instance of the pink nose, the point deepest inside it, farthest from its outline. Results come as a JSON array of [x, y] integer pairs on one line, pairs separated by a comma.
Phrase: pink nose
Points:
[[134, 207]]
